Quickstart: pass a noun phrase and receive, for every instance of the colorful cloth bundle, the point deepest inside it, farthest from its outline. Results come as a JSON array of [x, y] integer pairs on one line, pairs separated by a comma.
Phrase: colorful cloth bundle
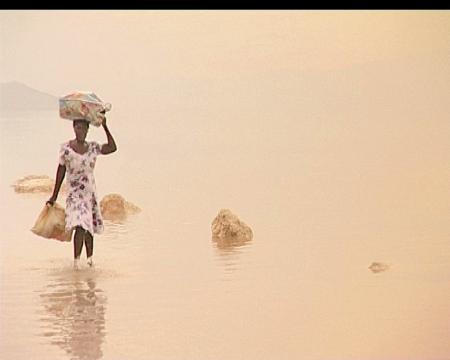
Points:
[[83, 105]]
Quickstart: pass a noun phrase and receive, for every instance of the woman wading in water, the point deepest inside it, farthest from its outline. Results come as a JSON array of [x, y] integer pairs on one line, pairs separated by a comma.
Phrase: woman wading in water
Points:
[[77, 158]]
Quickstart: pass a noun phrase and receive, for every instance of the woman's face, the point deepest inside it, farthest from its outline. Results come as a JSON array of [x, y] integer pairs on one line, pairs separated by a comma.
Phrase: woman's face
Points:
[[81, 128]]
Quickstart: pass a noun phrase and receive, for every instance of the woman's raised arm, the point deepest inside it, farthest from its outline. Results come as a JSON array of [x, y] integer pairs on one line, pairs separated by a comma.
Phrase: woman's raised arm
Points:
[[110, 147]]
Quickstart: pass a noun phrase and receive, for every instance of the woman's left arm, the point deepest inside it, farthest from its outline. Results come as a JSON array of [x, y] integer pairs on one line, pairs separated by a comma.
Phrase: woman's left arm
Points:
[[110, 147]]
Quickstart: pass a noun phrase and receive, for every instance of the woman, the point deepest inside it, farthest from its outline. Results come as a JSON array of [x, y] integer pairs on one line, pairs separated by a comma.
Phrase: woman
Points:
[[77, 157]]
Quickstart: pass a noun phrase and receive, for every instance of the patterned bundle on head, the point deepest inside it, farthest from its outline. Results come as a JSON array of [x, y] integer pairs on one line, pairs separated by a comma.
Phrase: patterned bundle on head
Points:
[[83, 105]]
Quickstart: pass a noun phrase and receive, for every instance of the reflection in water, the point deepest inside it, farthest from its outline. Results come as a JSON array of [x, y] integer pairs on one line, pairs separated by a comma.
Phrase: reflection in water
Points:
[[229, 250], [230, 244], [74, 314]]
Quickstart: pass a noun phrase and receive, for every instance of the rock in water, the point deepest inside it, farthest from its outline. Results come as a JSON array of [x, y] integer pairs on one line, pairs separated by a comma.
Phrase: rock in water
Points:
[[227, 229], [36, 184], [377, 267], [115, 207]]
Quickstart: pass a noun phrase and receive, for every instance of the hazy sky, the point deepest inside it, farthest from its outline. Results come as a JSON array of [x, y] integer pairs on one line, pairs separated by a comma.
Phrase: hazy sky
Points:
[[345, 84], [57, 51], [358, 87]]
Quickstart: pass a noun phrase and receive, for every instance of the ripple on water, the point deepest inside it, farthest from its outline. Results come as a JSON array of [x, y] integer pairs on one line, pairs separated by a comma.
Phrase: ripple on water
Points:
[[72, 312], [230, 253]]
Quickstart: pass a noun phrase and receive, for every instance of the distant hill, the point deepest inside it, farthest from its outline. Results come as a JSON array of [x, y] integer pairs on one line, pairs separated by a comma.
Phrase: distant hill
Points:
[[17, 96]]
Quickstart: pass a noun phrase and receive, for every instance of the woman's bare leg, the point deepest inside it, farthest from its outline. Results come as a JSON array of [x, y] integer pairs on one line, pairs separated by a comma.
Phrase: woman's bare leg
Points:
[[89, 242], [78, 240]]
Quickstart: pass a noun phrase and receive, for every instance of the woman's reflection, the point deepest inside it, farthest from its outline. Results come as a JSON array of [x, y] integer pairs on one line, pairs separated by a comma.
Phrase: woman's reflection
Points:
[[75, 314]]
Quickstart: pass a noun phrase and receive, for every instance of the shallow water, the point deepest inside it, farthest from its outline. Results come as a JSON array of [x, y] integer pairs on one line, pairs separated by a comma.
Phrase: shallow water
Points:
[[162, 289]]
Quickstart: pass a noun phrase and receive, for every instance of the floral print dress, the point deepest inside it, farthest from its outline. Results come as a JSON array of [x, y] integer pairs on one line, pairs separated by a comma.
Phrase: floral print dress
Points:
[[81, 204]]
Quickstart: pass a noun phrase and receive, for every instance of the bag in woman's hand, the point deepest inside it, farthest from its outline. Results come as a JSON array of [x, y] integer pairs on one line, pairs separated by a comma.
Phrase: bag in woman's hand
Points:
[[51, 223]]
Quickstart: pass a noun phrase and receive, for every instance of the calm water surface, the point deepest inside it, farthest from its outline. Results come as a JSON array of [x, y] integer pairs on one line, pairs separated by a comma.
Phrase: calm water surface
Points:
[[161, 289]]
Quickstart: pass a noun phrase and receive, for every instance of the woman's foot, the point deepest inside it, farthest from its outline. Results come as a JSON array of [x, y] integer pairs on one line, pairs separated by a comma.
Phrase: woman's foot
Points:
[[76, 264], [90, 262]]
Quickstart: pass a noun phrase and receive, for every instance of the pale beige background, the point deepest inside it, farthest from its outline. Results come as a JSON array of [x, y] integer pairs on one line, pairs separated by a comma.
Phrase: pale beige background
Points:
[[326, 131]]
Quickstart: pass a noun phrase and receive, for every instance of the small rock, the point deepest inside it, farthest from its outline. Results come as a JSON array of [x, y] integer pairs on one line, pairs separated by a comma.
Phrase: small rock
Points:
[[115, 207], [36, 184], [228, 230], [377, 267]]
